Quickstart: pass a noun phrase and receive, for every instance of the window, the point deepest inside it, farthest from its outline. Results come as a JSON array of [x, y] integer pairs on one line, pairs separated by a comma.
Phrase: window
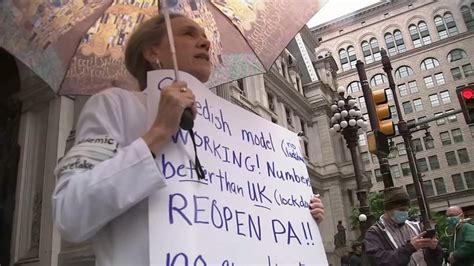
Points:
[[367, 52], [378, 79], [306, 148], [428, 188], [389, 94], [445, 138], [429, 63], [440, 186], [371, 50], [393, 112], [434, 163], [457, 135], [451, 158], [429, 83], [467, 17], [395, 43], [411, 191], [353, 87], [422, 165], [344, 59], [456, 73], [378, 175], [457, 182], [413, 87], [463, 156], [429, 143], [445, 98], [456, 54], [445, 25], [417, 146], [471, 129], [419, 34], [407, 107], [405, 168], [362, 140], [469, 177], [402, 88], [395, 171], [418, 105], [452, 118], [362, 102], [403, 71], [467, 69], [401, 149], [439, 77], [440, 121], [365, 157], [434, 100], [352, 56]]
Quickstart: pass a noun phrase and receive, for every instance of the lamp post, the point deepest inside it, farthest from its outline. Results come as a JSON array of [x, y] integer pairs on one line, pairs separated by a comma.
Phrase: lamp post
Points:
[[347, 120]]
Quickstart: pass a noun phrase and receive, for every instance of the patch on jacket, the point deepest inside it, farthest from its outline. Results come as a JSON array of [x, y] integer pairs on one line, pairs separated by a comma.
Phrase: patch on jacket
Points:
[[86, 154]]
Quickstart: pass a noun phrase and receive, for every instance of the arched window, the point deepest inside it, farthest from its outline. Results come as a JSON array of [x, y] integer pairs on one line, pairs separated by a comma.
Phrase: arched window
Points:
[[371, 50], [378, 79], [368, 58], [403, 71], [352, 56], [456, 54], [344, 60], [353, 87], [419, 34], [374, 45], [348, 58], [467, 16], [429, 63], [445, 25], [394, 42]]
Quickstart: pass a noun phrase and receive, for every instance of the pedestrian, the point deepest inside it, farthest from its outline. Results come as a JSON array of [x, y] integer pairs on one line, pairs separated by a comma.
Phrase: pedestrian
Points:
[[461, 244], [356, 255], [105, 180], [393, 240]]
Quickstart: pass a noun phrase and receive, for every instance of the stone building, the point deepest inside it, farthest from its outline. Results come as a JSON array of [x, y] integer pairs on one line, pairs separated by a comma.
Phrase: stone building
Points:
[[430, 47]]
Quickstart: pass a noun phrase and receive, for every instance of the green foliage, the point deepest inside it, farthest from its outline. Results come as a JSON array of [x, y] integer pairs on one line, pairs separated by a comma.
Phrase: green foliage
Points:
[[441, 226]]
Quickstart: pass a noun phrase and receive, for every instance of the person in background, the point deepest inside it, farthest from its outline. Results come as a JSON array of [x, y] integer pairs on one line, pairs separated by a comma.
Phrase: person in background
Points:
[[356, 255], [461, 244], [393, 240], [105, 180]]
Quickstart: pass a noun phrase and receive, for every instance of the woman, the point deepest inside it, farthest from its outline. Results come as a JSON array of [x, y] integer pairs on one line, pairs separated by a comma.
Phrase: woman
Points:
[[106, 178]]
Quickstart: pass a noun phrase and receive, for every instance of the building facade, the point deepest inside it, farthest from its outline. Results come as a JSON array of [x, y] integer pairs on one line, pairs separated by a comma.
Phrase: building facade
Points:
[[430, 46]]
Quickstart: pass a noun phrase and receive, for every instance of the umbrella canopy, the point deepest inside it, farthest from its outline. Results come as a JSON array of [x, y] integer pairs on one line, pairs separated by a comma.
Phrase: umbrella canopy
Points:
[[77, 46]]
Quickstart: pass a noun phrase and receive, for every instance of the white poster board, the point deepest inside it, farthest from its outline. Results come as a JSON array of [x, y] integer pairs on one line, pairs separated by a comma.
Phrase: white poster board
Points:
[[252, 207]]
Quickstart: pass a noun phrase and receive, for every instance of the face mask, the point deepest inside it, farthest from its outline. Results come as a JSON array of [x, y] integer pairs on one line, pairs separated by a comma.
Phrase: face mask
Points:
[[452, 221], [400, 217]]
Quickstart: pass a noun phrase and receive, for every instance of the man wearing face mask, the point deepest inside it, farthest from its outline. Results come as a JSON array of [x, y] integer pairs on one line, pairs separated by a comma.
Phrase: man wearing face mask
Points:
[[461, 244], [393, 240]]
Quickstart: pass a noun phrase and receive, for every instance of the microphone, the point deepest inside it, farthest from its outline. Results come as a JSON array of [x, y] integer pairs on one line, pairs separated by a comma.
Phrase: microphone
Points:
[[187, 122]]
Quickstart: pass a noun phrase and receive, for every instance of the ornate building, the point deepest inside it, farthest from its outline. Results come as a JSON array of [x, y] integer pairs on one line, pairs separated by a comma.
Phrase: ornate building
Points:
[[430, 46]]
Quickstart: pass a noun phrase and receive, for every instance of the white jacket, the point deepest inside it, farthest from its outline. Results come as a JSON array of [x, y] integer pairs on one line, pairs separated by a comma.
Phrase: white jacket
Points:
[[102, 191]]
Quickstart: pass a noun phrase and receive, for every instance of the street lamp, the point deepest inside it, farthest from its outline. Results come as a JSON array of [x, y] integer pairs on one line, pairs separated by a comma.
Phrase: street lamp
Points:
[[347, 120]]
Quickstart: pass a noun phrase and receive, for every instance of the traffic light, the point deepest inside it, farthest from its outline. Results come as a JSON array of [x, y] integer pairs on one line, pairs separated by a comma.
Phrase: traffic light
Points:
[[378, 143], [466, 99], [385, 124]]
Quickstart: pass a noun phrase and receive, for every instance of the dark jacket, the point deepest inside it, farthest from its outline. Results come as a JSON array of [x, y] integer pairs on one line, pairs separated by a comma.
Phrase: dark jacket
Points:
[[381, 251], [462, 245]]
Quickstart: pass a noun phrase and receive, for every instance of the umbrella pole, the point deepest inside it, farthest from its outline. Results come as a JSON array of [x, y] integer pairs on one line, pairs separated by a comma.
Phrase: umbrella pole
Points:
[[169, 30]]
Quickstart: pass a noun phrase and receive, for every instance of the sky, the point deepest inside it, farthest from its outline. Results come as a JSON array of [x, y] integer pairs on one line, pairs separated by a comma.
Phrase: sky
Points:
[[336, 8]]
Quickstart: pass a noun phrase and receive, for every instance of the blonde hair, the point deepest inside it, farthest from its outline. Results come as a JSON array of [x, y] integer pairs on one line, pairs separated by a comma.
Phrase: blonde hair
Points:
[[146, 35]]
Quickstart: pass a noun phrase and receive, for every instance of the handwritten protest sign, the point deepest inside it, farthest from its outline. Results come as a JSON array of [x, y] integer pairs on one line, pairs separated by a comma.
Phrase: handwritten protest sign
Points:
[[252, 207]]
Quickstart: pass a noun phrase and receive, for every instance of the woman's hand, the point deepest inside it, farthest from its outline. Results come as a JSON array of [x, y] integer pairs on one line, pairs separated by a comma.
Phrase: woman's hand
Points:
[[174, 99], [316, 208]]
